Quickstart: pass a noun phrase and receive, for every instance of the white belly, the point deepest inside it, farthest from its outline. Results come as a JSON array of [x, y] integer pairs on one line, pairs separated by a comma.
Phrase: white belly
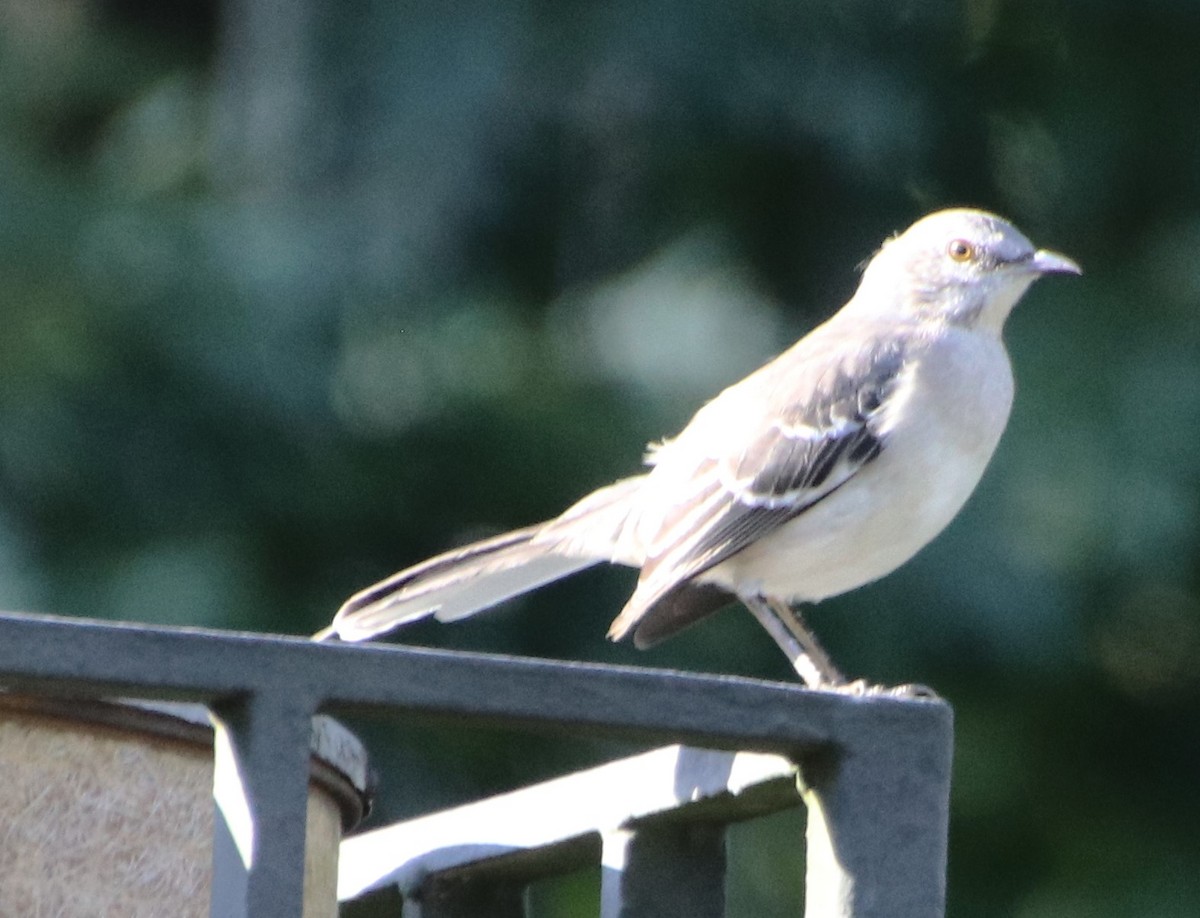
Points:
[[958, 401]]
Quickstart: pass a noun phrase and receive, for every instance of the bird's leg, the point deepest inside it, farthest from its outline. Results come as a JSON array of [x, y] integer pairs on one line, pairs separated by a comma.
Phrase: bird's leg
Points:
[[798, 643], [814, 666]]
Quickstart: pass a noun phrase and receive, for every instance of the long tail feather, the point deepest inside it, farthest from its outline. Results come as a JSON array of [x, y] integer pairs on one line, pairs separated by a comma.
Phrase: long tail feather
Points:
[[467, 580]]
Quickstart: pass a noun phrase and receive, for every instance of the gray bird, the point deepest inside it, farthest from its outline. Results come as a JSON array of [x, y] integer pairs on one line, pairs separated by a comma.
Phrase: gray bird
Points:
[[824, 470]]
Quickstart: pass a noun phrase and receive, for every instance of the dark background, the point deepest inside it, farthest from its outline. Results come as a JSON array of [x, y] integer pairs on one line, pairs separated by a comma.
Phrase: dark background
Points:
[[293, 295]]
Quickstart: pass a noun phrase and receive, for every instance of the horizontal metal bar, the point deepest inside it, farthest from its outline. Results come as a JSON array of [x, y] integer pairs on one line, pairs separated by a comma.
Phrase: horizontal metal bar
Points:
[[89, 658], [552, 826]]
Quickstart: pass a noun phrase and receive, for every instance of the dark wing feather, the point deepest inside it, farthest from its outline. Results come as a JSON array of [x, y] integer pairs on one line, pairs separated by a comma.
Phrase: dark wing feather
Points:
[[682, 606], [802, 454]]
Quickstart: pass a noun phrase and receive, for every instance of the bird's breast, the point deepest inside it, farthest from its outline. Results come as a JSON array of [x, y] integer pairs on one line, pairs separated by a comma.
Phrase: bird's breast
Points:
[[939, 431]]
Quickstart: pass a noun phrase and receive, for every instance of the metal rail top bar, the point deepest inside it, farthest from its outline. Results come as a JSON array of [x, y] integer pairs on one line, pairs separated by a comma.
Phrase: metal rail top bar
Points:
[[90, 658]]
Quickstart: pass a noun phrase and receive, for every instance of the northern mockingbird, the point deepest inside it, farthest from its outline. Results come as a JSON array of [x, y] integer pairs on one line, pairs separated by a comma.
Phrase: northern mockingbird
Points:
[[825, 469]]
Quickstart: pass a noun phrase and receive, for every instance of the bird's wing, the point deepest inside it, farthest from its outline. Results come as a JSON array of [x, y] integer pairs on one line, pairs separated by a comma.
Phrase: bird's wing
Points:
[[796, 455]]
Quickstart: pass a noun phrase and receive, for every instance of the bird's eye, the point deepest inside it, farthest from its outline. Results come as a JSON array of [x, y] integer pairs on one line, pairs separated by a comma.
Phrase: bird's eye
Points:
[[960, 250]]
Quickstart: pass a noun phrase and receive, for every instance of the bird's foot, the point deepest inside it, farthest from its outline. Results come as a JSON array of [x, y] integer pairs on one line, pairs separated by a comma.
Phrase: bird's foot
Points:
[[861, 688]]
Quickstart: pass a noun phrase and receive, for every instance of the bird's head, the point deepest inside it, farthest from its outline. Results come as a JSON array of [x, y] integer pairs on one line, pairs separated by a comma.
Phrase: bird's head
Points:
[[962, 266]]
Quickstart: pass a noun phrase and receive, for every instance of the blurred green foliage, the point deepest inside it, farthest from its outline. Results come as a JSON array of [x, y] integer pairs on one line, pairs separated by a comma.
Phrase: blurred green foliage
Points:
[[290, 301]]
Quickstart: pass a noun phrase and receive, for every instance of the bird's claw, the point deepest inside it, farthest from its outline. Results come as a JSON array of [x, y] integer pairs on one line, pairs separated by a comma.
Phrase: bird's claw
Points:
[[861, 688]]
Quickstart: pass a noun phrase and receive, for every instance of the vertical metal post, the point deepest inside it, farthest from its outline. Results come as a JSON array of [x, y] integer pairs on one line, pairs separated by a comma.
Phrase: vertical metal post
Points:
[[669, 870], [878, 817], [260, 790]]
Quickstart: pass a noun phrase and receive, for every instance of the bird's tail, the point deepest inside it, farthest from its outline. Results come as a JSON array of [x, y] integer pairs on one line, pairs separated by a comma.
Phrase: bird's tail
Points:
[[467, 580]]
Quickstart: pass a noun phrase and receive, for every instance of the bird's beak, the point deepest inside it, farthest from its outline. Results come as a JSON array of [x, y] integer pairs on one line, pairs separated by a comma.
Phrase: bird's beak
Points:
[[1046, 262]]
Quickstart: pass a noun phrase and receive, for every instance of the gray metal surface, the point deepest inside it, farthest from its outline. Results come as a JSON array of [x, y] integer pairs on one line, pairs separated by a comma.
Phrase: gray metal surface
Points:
[[260, 792], [267, 688], [878, 818], [557, 826], [664, 870]]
